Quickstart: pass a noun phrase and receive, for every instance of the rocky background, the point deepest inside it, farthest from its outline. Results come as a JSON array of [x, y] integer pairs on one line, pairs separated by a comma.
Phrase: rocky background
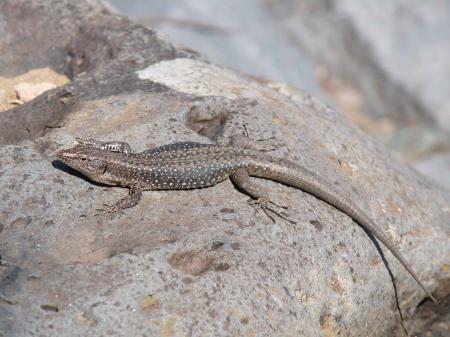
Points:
[[385, 65], [202, 262]]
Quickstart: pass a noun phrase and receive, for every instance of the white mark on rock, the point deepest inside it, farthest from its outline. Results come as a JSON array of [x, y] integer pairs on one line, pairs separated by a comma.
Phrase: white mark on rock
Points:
[[198, 78]]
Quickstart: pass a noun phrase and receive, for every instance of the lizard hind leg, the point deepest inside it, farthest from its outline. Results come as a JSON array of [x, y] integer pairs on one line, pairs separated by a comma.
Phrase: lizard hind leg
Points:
[[241, 178]]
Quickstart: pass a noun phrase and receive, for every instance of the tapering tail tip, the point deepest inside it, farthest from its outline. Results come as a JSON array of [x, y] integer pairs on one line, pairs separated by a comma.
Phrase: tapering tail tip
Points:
[[432, 297], [428, 293]]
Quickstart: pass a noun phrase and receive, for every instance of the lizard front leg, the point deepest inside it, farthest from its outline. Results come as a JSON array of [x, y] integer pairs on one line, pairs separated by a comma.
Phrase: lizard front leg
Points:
[[241, 178], [113, 146], [131, 200]]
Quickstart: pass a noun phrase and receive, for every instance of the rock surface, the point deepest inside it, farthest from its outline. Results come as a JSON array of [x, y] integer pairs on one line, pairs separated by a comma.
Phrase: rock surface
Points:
[[199, 262], [23, 88], [395, 55], [390, 79]]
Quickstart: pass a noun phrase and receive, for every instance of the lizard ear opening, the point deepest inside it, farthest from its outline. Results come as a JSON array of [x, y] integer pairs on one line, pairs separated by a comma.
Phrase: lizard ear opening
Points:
[[98, 166]]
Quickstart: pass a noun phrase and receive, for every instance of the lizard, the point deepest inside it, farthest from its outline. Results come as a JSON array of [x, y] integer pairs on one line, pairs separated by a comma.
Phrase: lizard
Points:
[[190, 165]]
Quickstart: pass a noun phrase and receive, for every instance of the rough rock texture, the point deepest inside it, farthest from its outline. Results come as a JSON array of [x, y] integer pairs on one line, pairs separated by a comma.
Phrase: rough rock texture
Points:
[[201, 262], [242, 35], [387, 66], [353, 40], [390, 79]]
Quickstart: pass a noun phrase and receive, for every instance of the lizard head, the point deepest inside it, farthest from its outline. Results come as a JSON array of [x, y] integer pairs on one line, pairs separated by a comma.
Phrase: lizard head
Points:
[[87, 160]]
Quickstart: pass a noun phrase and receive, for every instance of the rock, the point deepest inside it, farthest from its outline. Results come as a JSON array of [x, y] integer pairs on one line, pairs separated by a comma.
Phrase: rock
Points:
[[238, 34], [336, 50], [197, 262], [437, 167], [27, 91], [397, 70], [24, 87]]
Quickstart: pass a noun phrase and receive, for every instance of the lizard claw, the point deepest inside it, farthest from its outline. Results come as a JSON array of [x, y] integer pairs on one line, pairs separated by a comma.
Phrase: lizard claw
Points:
[[279, 205], [280, 215], [263, 205], [109, 210]]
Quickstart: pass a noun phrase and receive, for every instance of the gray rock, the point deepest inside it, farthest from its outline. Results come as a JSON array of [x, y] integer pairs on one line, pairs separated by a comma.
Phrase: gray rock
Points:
[[437, 167], [199, 262], [396, 53], [238, 34], [390, 79]]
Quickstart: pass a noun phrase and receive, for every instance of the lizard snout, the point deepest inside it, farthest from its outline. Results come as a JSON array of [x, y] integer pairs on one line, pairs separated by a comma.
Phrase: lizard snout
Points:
[[62, 154]]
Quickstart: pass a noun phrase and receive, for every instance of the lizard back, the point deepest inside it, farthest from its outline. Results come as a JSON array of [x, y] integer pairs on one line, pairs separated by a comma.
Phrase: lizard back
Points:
[[185, 165]]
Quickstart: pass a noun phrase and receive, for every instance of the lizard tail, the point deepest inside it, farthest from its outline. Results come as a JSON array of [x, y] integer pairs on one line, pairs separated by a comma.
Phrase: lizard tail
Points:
[[289, 173]]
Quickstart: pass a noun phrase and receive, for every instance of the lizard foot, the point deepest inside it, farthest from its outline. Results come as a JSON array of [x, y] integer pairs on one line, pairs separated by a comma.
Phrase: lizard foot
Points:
[[108, 211], [279, 205], [263, 204]]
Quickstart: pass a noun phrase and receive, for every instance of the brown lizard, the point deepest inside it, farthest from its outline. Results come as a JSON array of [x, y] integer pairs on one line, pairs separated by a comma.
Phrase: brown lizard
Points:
[[189, 165]]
